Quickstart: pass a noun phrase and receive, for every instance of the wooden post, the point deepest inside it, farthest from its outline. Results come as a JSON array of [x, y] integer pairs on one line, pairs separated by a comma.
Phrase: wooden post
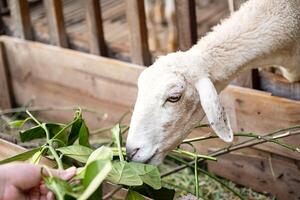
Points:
[[5, 84], [186, 23], [56, 22], [21, 17], [138, 32], [95, 28]]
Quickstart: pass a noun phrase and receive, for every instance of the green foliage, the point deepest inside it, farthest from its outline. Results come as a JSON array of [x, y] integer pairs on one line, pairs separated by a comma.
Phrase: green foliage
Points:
[[77, 152]]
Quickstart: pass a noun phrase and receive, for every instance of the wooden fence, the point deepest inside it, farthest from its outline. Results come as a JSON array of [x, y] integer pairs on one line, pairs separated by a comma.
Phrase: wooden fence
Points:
[[52, 75]]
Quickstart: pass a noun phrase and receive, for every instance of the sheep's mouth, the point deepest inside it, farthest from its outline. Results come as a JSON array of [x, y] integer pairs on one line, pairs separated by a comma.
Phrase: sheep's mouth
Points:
[[150, 159]]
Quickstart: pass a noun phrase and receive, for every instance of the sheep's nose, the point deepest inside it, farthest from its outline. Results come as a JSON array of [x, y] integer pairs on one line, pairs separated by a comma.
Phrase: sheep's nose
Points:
[[131, 152]]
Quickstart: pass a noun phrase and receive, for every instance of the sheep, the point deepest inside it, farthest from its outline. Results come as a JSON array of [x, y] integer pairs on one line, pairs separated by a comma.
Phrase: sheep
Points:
[[176, 92]]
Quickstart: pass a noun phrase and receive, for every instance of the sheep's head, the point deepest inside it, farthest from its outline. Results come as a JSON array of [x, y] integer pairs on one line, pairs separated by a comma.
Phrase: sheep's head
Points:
[[169, 105]]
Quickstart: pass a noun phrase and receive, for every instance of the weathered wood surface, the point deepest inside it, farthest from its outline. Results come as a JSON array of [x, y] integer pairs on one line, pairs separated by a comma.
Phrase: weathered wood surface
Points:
[[56, 22], [279, 86], [21, 18], [95, 28], [186, 23], [61, 77], [79, 79], [5, 84], [259, 112], [136, 18], [264, 173]]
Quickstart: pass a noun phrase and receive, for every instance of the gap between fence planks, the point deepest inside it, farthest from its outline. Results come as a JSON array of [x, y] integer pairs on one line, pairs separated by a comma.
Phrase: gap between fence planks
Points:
[[186, 23], [135, 12], [56, 23], [21, 17], [94, 22], [5, 84]]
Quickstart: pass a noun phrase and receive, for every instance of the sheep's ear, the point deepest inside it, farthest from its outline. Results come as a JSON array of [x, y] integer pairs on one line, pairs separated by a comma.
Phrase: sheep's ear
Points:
[[214, 110]]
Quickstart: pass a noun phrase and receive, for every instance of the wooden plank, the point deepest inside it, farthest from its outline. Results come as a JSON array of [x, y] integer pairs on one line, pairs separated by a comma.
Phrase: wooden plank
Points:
[[259, 112], [21, 18], [266, 174], [105, 84], [5, 86], [95, 29], [279, 86], [186, 23], [110, 86], [138, 32], [56, 23]]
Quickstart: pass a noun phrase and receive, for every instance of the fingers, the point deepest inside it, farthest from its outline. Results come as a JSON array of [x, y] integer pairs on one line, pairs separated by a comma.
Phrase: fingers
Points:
[[26, 176], [22, 175], [64, 174]]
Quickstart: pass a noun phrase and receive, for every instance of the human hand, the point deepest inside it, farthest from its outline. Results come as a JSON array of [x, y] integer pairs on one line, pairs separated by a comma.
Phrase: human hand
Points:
[[20, 181]]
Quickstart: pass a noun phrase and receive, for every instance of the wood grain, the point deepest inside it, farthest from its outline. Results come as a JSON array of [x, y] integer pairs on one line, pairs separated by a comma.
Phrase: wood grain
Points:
[[94, 22], [5, 82], [135, 12], [21, 17], [103, 84], [56, 23], [186, 23], [265, 174]]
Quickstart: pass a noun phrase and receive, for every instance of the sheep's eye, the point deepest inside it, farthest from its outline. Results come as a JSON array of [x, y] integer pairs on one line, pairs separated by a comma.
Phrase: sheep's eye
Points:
[[174, 99]]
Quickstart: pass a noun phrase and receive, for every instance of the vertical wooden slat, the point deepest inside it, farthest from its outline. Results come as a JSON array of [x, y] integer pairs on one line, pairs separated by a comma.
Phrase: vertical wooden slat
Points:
[[21, 17], [5, 87], [135, 12], [186, 23], [95, 28], [57, 30]]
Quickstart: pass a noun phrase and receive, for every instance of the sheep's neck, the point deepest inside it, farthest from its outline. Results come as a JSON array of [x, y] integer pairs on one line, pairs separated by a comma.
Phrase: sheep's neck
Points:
[[251, 37]]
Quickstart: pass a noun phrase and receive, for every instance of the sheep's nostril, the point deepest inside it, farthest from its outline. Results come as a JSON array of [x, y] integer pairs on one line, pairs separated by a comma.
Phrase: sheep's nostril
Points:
[[131, 153]]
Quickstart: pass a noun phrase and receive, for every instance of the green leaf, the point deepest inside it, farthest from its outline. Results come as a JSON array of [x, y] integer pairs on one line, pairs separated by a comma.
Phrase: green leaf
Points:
[[20, 157], [19, 123], [74, 134], [38, 132], [117, 138], [102, 153], [77, 152], [133, 195], [95, 173], [122, 173], [161, 194], [84, 135], [148, 173], [36, 157], [59, 187]]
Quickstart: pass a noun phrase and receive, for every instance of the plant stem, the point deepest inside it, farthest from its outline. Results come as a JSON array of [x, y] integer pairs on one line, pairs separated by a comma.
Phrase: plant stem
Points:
[[196, 177], [48, 108], [56, 157], [241, 145], [209, 175], [193, 155], [111, 193]]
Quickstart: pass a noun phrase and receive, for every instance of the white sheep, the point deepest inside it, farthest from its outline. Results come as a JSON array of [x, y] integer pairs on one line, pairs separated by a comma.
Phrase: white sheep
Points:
[[177, 91]]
